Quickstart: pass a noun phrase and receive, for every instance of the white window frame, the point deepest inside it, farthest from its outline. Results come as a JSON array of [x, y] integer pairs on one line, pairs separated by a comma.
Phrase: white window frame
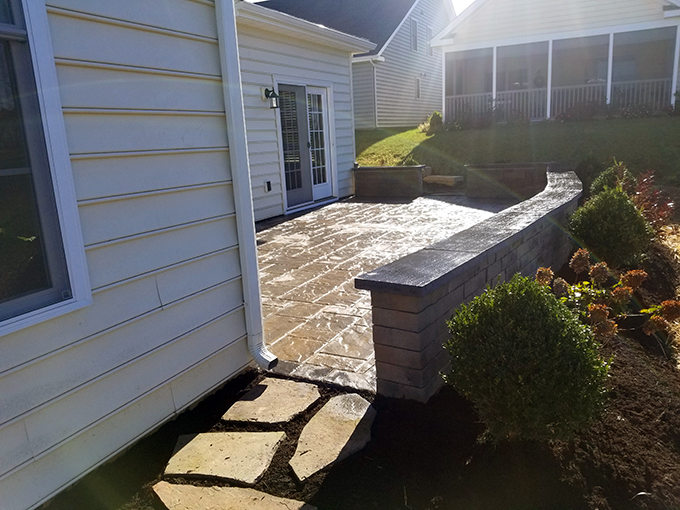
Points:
[[49, 101], [429, 35], [419, 85], [414, 35]]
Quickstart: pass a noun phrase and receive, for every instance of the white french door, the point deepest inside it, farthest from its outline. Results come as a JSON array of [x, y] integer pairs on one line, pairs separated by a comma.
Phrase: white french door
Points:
[[304, 135], [317, 108]]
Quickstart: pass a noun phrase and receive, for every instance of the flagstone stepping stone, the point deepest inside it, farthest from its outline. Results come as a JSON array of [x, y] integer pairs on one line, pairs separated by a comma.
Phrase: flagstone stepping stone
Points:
[[189, 497], [236, 456], [273, 401], [341, 428]]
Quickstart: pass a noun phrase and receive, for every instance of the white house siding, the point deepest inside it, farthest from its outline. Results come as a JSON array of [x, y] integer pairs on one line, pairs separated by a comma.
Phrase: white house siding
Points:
[[499, 20], [140, 84], [396, 77], [266, 57], [364, 95]]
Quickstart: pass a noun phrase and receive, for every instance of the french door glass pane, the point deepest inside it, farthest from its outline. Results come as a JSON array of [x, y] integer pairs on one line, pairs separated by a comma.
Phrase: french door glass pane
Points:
[[23, 267], [292, 160], [316, 138], [5, 13]]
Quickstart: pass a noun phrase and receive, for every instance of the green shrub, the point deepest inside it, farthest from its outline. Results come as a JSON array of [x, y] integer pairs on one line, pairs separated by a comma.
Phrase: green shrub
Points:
[[530, 368], [616, 175], [611, 227], [433, 124]]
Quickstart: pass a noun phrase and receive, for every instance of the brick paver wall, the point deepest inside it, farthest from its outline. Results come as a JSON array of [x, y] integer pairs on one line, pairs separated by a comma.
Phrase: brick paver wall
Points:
[[414, 296]]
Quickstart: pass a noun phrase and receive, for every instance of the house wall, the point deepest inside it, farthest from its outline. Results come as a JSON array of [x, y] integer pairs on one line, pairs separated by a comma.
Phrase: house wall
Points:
[[396, 77], [266, 57], [363, 88], [506, 19], [140, 84]]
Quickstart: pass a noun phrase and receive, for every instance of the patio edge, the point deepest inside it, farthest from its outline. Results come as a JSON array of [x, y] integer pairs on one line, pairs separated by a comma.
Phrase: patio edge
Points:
[[414, 296]]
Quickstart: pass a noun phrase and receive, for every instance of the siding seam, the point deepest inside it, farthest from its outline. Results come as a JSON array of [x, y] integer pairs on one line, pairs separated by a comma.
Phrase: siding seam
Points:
[[140, 235], [96, 18], [74, 62]]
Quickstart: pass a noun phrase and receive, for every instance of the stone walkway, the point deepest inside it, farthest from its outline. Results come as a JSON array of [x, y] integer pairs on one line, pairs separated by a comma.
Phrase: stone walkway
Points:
[[340, 428], [316, 322]]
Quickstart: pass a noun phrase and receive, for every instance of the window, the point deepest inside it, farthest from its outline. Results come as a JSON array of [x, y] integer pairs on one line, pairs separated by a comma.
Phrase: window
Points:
[[430, 49], [418, 83], [34, 273], [414, 35]]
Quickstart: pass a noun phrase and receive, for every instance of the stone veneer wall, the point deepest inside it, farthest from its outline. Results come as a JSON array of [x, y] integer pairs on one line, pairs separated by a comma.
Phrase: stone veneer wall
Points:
[[413, 297]]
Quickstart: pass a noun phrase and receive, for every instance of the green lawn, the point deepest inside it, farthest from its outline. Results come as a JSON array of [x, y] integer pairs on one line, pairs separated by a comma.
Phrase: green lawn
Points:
[[642, 144]]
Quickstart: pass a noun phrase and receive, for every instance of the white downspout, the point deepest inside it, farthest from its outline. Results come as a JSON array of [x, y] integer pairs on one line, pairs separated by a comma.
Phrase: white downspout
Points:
[[549, 82], [375, 93], [494, 77], [674, 83], [610, 68], [240, 172]]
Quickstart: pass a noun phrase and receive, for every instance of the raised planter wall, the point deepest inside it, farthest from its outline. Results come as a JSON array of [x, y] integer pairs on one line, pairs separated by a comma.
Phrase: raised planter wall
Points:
[[506, 180], [389, 181], [413, 297]]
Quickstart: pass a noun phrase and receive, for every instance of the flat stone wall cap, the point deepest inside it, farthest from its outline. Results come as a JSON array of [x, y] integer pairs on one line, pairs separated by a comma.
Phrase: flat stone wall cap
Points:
[[341, 428], [237, 456], [190, 497], [415, 274], [273, 401]]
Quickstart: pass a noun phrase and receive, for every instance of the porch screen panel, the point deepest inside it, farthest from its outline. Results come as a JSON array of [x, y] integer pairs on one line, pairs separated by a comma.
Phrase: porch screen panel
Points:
[[317, 138], [643, 68], [290, 137]]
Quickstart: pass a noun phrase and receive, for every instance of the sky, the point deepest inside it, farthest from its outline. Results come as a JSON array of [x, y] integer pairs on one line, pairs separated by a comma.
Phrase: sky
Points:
[[460, 5]]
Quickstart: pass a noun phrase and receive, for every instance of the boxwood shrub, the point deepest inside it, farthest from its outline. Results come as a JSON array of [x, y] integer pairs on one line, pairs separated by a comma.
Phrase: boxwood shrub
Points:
[[611, 227], [529, 366]]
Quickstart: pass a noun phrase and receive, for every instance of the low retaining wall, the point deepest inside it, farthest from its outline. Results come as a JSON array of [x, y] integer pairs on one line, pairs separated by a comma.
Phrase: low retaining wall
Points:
[[506, 180], [389, 181], [413, 297]]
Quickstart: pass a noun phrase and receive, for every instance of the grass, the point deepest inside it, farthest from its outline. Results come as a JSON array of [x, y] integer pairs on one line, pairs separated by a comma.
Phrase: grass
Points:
[[652, 143]]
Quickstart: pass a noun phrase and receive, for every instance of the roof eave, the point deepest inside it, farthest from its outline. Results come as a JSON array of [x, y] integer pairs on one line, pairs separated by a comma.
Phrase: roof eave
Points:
[[441, 39], [261, 17]]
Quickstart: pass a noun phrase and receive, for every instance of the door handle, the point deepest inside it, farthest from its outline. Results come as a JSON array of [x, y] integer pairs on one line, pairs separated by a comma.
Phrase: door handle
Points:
[[309, 145]]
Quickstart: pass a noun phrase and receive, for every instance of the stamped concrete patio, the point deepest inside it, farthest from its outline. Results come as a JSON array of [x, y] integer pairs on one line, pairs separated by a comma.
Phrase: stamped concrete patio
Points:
[[316, 322]]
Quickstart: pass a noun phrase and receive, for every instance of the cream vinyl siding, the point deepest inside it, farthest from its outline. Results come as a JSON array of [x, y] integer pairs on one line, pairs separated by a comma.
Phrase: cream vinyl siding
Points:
[[364, 95], [265, 57], [499, 20], [396, 77], [140, 84]]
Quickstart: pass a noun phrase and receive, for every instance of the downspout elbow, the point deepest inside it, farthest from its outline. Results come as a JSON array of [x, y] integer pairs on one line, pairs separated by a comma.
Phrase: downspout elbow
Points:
[[262, 356]]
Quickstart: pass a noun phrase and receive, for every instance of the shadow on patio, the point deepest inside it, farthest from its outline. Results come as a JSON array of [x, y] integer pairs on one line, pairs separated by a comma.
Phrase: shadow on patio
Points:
[[316, 322]]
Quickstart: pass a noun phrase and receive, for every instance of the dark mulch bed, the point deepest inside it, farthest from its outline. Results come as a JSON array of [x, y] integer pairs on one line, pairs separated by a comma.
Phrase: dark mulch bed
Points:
[[427, 456]]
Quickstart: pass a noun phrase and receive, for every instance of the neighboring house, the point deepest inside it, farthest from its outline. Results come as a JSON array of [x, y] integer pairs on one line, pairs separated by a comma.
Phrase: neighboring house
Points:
[[129, 284], [399, 83], [303, 153], [541, 58]]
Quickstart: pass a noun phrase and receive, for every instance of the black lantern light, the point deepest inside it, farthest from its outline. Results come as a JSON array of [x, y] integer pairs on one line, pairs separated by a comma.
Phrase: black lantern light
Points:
[[273, 98]]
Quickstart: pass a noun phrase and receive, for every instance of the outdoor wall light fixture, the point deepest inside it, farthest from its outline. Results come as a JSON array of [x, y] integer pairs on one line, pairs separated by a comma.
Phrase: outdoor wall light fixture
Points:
[[272, 97]]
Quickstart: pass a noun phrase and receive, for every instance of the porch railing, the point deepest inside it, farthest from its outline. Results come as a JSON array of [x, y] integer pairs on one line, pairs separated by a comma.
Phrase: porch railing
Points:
[[532, 104], [565, 99], [473, 105], [654, 94], [521, 104]]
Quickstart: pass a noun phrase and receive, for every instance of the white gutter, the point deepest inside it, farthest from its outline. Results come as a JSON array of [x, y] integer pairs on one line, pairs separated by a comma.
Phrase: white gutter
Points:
[[240, 174]]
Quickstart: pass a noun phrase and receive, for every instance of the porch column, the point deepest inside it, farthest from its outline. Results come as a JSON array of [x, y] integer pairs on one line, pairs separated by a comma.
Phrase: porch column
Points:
[[494, 76], [610, 68], [548, 110], [444, 86], [674, 86]]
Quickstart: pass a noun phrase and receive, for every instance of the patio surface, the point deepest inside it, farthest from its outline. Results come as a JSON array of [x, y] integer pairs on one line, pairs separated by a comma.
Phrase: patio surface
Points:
[[316, 322]]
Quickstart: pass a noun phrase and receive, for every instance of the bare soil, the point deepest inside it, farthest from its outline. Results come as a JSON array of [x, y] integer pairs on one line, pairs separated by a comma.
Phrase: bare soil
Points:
[[427, 456]]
